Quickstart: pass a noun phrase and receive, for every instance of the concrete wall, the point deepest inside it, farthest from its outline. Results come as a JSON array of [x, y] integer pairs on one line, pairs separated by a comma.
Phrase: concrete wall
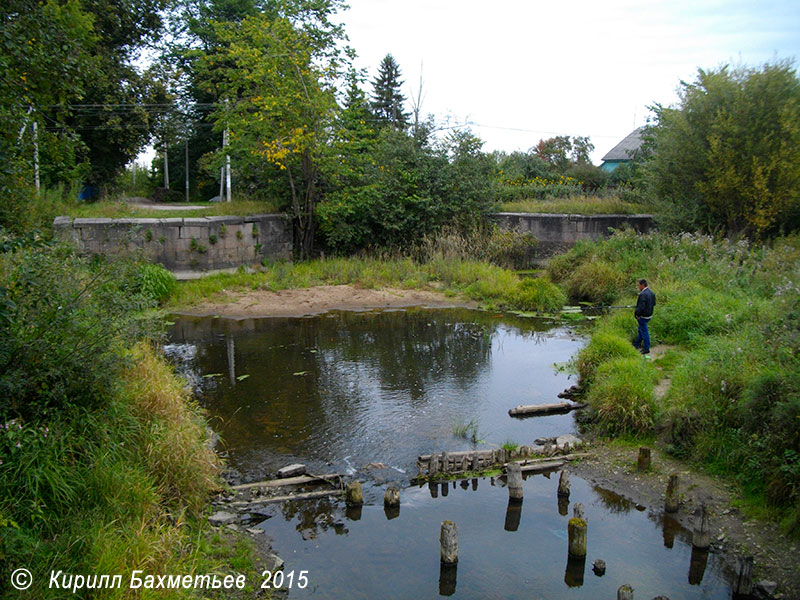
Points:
[[185, 245], [557, 233]]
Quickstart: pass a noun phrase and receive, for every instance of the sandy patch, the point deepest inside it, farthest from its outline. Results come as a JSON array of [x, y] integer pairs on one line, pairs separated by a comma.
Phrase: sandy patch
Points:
[[320, 299]]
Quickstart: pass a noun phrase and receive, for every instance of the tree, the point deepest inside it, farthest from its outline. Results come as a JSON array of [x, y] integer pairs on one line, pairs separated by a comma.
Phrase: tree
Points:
[[45, 60], [387, 100], [563, 152], [275, 74], [727, 158]]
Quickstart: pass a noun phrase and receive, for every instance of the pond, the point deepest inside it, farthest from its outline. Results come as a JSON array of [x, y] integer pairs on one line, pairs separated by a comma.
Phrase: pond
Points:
[[366, 393]]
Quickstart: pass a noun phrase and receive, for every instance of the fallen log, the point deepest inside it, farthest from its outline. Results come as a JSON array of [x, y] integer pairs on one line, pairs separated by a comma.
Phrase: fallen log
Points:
[[273, 499], [540, 467], [525, 410], [302, 479]]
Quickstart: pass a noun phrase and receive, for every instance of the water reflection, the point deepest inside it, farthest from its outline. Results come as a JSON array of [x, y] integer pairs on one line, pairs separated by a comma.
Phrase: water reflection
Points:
[[501, 555], [346, 389], [513, 515]]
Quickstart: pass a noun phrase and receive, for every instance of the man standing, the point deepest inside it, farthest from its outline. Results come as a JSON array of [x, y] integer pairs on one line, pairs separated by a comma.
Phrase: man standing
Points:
[[643, 314]]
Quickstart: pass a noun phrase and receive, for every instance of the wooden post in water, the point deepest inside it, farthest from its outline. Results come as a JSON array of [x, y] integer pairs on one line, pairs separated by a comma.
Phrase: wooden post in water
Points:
[[353, 494], [448, 540], [476, 462], [392, 496], [625, 592], [701, 536], [672, 500], [433, 465], [743, 584], [445, 462], [514, 482], [576, 530], [563, 484], [577, 512], [643, 463]]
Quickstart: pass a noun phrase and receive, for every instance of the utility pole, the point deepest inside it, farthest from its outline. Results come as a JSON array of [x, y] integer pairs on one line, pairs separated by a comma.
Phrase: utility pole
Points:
[[227, 166], [36, 155], [166, 166], [187, 169]]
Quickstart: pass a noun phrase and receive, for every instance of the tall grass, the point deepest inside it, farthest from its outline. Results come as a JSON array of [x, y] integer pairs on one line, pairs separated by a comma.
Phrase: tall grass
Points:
[[492, 286], [580, 205], [104, 466], [734, 310]]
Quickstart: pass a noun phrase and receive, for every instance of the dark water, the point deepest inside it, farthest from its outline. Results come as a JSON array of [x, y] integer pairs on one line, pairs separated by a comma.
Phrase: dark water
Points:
[[343, 390]]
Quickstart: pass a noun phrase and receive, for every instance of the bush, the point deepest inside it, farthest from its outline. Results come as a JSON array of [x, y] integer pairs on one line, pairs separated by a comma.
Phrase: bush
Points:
[[155, 282], [728, 157], [538, 294], [622, 396], [603, 347], [65, 318], [596, 281]]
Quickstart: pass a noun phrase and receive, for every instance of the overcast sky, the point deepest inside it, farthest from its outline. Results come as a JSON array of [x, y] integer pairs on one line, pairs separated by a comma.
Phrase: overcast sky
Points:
[[525, 70]]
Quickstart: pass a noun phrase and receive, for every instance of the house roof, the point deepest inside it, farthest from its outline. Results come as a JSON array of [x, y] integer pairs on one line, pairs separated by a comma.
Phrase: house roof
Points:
[[625, 149]]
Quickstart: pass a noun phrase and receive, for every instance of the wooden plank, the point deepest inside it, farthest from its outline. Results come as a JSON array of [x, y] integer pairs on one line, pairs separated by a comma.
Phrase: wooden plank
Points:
[[543, 409], [273, 499], [540, 467], [272, 483]]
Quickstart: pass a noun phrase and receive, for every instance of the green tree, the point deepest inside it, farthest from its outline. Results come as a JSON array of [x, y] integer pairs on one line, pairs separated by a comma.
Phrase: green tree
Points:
[[727, 157], [45, 59], [275, 74], [563, 152], [387, 100], [408, 186]]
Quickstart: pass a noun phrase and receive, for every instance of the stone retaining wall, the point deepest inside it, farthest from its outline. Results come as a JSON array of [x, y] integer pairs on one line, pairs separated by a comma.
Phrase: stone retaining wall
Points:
[[195, 245], [185, 244], [558, 232]]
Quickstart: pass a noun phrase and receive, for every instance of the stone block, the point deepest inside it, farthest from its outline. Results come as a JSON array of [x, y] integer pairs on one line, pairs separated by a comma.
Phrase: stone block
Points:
[[199, 233]]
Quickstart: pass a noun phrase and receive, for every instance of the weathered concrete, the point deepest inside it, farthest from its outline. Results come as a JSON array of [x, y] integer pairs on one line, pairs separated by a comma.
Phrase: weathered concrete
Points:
[[184, 245], [558, 232]]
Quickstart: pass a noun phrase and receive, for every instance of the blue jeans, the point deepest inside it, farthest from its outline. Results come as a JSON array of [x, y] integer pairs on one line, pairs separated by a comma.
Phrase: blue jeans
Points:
[[643, 337]]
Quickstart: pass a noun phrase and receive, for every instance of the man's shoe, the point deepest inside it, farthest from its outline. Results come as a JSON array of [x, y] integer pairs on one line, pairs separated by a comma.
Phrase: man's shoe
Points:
[[643, 351]]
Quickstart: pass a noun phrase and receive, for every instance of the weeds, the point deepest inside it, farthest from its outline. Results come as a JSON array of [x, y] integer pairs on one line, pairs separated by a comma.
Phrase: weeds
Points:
[[583, 205], [467, 431], [733, 311]]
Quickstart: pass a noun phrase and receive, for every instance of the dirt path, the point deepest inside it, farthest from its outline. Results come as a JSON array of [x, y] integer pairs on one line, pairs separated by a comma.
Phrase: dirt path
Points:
[[776, 556], [316, 300]]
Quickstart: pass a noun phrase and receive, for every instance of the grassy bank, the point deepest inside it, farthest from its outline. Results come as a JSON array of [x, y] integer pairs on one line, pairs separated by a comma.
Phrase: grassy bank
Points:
[[578, 205], [732, 310], [104, 466], [492, 286], [120, 209], [51, 203]]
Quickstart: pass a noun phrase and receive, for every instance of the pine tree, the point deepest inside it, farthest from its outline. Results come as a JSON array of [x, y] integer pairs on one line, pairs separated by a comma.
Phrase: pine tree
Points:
[[387, 100]]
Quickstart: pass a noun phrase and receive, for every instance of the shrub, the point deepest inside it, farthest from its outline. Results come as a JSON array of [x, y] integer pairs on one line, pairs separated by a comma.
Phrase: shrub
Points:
[[596, 281], [155, 281], [622, 396], [65, 318], [538, 294], [603, 347]]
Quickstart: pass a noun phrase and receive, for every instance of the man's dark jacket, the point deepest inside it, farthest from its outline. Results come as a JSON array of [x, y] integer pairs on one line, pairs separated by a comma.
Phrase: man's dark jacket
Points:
[[645, 304]]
